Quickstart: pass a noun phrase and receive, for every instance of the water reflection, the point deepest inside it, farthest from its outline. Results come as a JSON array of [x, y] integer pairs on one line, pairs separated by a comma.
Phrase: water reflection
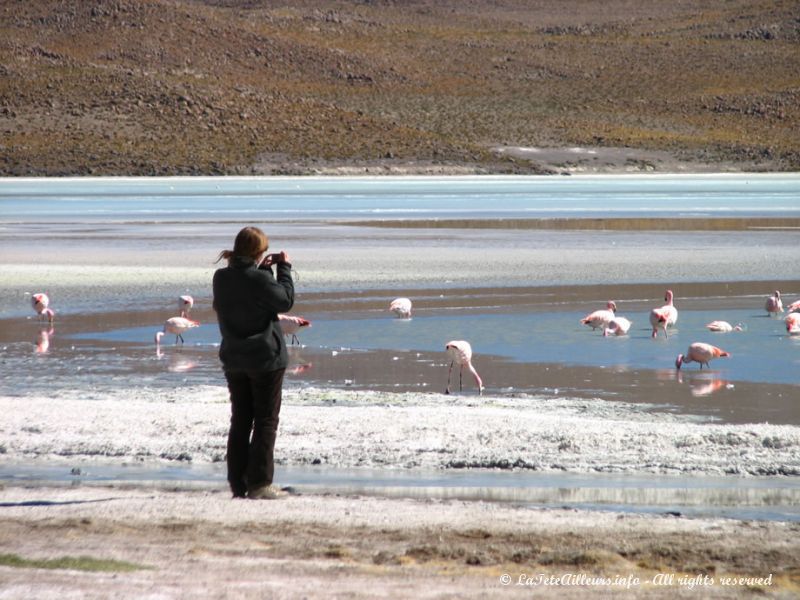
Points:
[[298, 369], [177, 362], [702, 385], [706, 388], [43, 340], [297, 364]]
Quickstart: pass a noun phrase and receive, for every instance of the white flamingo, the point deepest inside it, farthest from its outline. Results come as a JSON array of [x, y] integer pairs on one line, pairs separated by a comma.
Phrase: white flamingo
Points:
[[617, 326], [41, 305], [401, 307], [175, 326], [291, 324], [185, 304], [460, 353], [599, 319], [774, 305], [664, 316], [723, 327], [700, 352]]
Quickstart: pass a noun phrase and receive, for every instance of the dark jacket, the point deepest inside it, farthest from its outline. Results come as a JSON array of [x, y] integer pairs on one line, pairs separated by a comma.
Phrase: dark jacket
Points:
[[247, 300]]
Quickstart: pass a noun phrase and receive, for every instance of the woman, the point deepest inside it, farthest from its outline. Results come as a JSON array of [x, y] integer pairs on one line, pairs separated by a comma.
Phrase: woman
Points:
[[247, 299]]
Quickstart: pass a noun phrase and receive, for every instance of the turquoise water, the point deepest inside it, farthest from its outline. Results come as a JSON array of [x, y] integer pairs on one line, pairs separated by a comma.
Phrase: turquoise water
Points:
[[220, 199]]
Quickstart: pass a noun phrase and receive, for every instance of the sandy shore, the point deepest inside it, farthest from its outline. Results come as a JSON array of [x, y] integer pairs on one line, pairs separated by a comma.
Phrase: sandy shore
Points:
[[200, 544]]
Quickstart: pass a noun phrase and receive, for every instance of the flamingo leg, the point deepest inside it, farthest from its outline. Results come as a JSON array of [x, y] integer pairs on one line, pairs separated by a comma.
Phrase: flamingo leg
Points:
[[449, 372], [460, 379]]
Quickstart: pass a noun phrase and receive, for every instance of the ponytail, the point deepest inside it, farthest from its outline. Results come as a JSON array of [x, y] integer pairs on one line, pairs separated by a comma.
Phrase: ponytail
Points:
[[226, 254]]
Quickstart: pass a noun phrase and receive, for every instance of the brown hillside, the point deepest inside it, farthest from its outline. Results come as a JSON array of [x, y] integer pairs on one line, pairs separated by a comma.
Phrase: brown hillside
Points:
[[148, 87]]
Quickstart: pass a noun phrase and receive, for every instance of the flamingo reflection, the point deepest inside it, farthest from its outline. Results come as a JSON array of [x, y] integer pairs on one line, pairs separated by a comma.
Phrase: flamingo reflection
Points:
[[179, 363], [43, 340], [296, 363], [700, 389], [298, 369]]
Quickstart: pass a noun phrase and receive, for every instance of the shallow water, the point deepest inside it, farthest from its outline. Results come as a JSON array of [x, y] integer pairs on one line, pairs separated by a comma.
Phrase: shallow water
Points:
[[765, 498], [235, 198], [764, 352], [520, 349]]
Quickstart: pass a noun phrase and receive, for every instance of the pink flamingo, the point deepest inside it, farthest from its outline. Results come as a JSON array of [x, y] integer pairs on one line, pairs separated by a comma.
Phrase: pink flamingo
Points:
[[185, 304], [792, 321], [664, 316], [460, 352], [41, 305], [723, 327], [600, 318], [793, 307], [175, 326], [291, 324], [774, 305], [401, 307], [700, 352], [617, 326]]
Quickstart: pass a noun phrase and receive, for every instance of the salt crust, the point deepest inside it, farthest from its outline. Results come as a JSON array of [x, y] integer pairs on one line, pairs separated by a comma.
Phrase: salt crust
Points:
[[344, 429]]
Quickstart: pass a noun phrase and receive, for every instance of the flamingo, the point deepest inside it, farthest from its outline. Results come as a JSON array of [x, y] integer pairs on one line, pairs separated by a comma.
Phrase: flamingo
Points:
[[664, 316], [185, 304], [291, 324], [41, 305], [793, 307], [774, 305], [175, 326], [460, 352], [401, 307], [723, 327], [617, 326], [600, 318], [700, 352], [792, 321]]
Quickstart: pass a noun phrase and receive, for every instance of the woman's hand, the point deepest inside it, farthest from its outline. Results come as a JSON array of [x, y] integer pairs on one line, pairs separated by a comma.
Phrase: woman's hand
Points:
[[273, 259]]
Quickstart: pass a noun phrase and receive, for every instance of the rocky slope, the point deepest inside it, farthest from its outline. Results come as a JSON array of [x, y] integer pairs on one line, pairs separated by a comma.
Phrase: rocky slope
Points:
[[147, 87]]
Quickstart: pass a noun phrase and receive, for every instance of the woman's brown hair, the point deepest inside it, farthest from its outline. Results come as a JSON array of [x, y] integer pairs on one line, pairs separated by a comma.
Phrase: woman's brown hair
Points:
[[250, 242]]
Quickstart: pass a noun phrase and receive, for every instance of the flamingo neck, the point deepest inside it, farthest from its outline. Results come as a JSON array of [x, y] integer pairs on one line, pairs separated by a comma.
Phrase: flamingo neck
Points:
[[478, 380]]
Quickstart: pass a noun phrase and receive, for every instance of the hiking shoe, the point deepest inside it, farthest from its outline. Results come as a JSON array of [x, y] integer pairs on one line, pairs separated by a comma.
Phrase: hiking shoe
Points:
[[267, 492]]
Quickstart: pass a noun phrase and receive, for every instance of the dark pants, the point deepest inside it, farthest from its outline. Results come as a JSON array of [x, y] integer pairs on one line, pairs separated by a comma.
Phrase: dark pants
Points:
[[255, 406]]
